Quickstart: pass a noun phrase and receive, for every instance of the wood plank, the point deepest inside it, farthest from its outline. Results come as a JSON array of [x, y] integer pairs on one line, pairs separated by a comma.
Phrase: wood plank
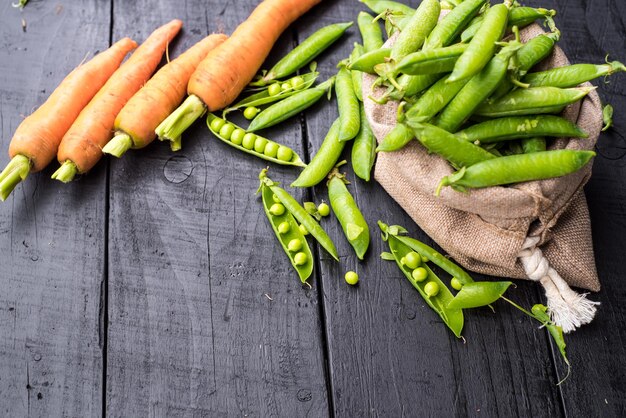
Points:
[[202, 323], [51, 235]]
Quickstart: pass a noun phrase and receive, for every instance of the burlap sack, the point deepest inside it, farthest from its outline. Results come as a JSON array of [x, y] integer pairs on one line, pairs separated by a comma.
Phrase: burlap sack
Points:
[[486, 230]]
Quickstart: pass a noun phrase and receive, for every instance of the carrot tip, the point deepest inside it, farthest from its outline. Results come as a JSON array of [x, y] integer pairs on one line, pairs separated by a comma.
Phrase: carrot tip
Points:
[[172, 128], [15, 172], [66, 172], [120, 143]]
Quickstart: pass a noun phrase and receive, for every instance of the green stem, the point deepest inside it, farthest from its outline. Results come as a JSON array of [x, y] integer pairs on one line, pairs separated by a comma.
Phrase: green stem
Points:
[[518, 307], [120, 143], [16, 171], [173, 127], [176, 144], [66, 172]]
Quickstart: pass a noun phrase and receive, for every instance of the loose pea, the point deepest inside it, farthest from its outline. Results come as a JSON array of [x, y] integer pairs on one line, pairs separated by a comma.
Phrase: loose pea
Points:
[[303, 230], [323, 209], [431, 289], [274, 89], [300, 259], [227, 130], [250, 112], [237, 136], [456, 283], [248, 141], [419, 274], [285, 86], [412, 260], [352, 278], [259, 144], [271, 149], [294, 245], [217, 123], [284, 153], [297, 82], [284, 227], [277, 209]]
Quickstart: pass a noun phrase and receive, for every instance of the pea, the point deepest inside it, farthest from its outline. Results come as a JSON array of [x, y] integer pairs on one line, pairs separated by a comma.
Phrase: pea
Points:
[[294, 245], [424, 259], [419, 274], [285, 87], [275, 198], [259, 144], [277, 209], [303, 230], [403, 261], [300, 259], [323, 209], [250, 112], [412, 260], [297, 82], [217, 123], [271, 149], [431, 289], [284, 227], [248, 141], [456, 283], [284, 153], [351, 278], [237, 136], [227, 130], [274, 89]]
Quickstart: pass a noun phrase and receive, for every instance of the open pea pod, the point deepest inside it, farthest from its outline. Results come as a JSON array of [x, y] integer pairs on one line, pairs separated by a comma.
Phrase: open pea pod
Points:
[[474, 295]]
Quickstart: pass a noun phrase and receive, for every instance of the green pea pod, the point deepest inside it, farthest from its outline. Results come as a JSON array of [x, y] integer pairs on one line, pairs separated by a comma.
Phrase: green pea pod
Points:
[[411, 85], [369, 60], [381, 6], [270, 151], [370, 32], [357, 76], [534, 144], [434, 100], [572, 75], [396, 139], [452, 24], [458, 152], [290, 106], [453, 318], [348, 105], [539, 312], [292, 234], [516, 127], [350, 217], [532, 101], [304, 53], [323, 161], [417, 29], [300, 214], [607, 117], [364, 149], [474, 295], [518, 16], [431, 61], [517, 168]]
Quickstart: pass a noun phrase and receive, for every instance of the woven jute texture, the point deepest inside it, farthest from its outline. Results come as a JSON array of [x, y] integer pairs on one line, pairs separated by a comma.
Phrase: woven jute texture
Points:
[[484, 229]]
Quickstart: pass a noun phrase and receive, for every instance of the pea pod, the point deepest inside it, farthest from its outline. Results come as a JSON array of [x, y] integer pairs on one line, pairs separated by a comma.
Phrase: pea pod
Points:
[[452, 24], [477, 294], [348, 105], [532, 101], [290, 106], [518, 16], [288, 235], [380, 6], [434, 100], [369, 60], [300, 214], [432, 61], [370, 32], [350, 217], [396, 139], [323, 161], [534, 144], [357, 76], [417, 29], [364, 149], [270, 150], [304, 53], [572, 75], [453, 318], [410, 85], [517, 168], [516, 127]]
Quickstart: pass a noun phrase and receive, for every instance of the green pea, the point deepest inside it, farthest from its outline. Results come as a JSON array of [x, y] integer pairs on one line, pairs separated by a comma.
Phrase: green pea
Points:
[[250, 112], [351, 278], [237, 136], [403, 261], [300, 259], [227, 130], [294, 245], [285, 86], [419, 274], [284, 227], [259, 144], [424, 259], [274, 89], [323, 209], [271, 149], [248, 141], [297, 82], [431, 289], [217, 123], [277, 209], [412, 260], [303, 230], [275, 198], [284, 153], [456, 283]]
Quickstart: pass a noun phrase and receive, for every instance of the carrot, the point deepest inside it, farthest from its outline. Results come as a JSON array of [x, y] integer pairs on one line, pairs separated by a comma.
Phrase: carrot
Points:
[[135, 124], [36, 139], [81, 146], [227, 69]]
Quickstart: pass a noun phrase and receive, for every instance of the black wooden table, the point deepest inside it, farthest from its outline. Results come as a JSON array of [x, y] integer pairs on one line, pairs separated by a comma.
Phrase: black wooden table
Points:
[[153, 286]]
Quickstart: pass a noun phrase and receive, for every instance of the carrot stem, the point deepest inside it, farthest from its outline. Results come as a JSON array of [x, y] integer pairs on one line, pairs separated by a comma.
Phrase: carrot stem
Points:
[[66, 172], [15, 172], [175, 124], [117, 146]]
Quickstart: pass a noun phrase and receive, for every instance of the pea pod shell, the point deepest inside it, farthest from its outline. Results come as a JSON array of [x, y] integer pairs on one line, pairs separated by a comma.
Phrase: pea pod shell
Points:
[[370, 32], [364, 149], [413, 84], [572, 75], [431, 61], [357, 76], [452, 24], [417, 29], [477, 294], [295, 159], [304, 271], [396, 139], [369, 60], [380, 6], [348, 105], [434, 100]]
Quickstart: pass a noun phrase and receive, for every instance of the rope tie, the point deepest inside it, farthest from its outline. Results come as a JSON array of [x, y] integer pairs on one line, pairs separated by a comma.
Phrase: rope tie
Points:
[[568, 309]]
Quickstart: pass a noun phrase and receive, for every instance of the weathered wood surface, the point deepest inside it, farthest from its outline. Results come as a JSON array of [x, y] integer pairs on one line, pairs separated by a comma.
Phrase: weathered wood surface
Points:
[[153, 286]]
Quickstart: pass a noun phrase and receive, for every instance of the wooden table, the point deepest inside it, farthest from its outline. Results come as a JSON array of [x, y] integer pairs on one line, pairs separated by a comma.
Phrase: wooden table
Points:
[[153, 286]]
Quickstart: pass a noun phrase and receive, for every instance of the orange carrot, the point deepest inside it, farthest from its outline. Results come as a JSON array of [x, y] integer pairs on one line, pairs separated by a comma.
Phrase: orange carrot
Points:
[[135, 124], [81, 146], [36, 139], [227, 69]]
